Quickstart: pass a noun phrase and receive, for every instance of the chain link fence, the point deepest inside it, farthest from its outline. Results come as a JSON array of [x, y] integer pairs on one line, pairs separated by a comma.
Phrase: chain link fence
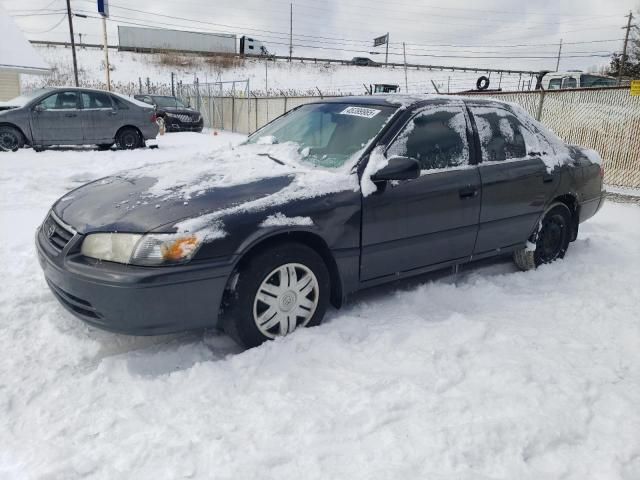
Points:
[[606, 120]]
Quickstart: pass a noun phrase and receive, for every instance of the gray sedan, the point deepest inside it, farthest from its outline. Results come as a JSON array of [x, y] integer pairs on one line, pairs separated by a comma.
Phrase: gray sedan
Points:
[[75, 116]]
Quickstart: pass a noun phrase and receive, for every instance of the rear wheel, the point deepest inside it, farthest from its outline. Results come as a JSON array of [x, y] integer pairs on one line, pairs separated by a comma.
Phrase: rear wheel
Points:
[[129, 138], [10, 139], [550, 241], [277, 291]]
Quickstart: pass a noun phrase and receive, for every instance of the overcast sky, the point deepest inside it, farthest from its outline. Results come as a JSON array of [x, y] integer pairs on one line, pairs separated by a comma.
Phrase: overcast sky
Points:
[[454, 32]]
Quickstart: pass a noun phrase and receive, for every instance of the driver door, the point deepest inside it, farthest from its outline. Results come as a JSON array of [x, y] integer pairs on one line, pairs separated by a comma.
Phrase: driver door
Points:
[[430, 221], [57, 119]]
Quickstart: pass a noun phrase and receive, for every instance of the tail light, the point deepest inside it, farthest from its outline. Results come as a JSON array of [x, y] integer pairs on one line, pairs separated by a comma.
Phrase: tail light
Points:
[[601, 171], [154, 117]]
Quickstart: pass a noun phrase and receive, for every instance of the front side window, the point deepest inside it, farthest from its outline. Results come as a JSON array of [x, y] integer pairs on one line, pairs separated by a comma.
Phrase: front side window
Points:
[[555, 84], [436, 138], [60, 101], [501, 134], [96, 100], [326, 134]]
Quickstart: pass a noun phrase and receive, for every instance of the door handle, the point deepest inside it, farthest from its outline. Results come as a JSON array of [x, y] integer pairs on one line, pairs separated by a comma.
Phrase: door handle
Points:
[[468, 192], [113, 112], [547, 178], [70, 115]]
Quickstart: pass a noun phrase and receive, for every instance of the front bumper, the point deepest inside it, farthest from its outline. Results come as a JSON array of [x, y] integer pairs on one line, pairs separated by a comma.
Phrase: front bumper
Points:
[[134, 300]]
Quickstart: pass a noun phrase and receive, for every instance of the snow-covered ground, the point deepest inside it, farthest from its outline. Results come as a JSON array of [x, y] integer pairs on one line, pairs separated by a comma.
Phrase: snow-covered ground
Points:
[[129, 67], [491, 374]]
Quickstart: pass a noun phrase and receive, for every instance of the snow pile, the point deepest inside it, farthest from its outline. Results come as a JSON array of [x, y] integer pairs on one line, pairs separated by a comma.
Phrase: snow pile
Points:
[[281, 220], [494, 373]]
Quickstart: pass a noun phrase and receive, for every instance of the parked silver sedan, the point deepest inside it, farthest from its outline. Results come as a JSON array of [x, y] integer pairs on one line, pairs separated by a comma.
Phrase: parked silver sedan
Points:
[[75, 116]]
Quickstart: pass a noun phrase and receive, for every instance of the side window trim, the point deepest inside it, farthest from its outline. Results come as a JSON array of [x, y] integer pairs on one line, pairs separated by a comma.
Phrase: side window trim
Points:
[[469, 130]]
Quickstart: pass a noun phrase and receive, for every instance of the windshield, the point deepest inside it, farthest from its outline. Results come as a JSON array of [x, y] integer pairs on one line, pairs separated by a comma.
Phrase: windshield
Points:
[[326, 134], [168, 102], [22, 100]]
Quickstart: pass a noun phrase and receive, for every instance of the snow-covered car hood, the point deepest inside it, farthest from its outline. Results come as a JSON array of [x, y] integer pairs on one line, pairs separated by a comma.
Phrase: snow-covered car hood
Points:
[[213, 186]]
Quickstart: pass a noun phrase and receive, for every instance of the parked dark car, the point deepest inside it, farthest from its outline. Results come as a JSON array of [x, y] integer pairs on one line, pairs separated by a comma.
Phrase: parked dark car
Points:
[[328, 199], [177, 116], [363, 62], [75, 116]]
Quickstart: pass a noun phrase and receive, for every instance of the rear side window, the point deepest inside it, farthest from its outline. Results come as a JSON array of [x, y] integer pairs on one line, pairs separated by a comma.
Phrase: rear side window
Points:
[[569, 82], [93, 100], [501, 134], [436, 138], [119, 103]]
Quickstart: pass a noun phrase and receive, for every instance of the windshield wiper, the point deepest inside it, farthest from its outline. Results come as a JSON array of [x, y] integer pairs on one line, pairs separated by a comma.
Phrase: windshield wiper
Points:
[[272, 158]]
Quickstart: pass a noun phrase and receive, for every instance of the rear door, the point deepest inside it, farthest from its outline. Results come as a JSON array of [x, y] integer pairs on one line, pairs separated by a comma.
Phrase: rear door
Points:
[[57, 119], [102, 119], [431, 220], [515, 180]]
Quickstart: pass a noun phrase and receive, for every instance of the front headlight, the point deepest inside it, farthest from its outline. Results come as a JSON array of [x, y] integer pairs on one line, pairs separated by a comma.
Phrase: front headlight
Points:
[[148, 250]]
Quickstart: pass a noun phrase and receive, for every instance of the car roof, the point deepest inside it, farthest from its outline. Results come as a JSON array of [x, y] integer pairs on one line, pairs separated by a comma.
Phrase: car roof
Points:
[[408, 101]]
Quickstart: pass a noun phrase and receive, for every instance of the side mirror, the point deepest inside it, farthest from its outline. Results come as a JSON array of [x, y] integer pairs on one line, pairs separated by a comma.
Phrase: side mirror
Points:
[[39, 108], [398, 168]]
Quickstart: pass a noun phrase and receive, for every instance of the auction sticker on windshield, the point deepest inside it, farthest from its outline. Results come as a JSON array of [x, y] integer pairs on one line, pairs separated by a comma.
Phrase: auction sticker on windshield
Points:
[[360, 112]]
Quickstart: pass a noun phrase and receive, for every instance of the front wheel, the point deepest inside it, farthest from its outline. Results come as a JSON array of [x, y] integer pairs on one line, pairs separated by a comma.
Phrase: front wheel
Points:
[[128, 139], [277, 291], [550, 241], [10, 139]]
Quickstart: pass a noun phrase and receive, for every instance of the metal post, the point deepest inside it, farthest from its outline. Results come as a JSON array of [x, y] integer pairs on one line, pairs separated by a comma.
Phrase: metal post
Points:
[[266, 84], [540, 104], [290, 30], [148, 85], [73, 43], [233, 112], [559, 53], [140, 85], [386, 53], [173, 86], [106, 53], [406, 85], [624, 49]]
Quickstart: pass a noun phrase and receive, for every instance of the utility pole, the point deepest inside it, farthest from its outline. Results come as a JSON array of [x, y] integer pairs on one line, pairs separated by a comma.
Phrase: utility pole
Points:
[[624, 49], [106, 53], [559, 53], [290, 30], [404, 52], [73, 43], [386, 53]]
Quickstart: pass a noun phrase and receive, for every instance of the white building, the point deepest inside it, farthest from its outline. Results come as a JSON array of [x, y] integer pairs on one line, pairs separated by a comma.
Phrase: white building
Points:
[[16, 56]]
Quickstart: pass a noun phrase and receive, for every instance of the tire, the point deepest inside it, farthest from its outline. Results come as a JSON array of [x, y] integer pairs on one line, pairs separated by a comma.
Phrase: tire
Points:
[[551, 239], [11, 140], [263, 305], [105, 146], [129, 138], [482, 83]]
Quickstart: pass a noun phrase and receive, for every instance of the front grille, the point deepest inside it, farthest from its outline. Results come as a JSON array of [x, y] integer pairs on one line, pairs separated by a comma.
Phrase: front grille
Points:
[[57, 233], [186, 118], [75, 304]]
